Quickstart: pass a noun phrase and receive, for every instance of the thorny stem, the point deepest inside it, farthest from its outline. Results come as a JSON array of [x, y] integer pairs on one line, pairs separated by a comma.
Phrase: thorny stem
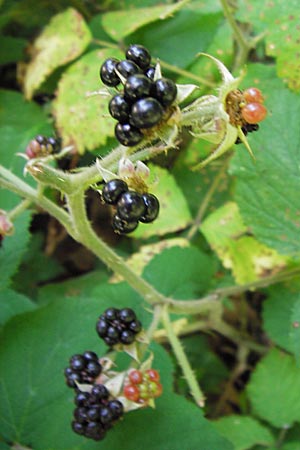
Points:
[[15, 184], [205, 203], [84, 234], [182, 360]]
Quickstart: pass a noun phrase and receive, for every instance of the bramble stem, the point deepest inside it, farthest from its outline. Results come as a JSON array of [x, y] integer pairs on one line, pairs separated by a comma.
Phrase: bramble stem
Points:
[[15, 184], [182, 360], [84, 234]]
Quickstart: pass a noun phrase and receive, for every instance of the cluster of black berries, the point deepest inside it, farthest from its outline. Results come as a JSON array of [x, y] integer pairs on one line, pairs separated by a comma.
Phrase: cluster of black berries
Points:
[[116, 326], [143, 101], [42, 146], [95, 412], [248, 128], [131, 207], [83, 368]]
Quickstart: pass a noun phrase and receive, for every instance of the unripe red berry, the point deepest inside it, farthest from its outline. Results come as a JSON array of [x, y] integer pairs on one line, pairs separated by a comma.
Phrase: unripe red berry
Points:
[[254, 112]]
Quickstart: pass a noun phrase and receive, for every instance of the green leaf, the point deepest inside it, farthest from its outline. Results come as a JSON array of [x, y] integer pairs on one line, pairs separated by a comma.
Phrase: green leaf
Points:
[[13, 248], [20, 121], [39, 345], [278, 312], [181, 272], [84, 121], [197, 186], [119, 24], [13, 303], [228, 236], [267, 192], [179, 39], [174, 213], [281, 21], [244, 431], [11, 49], [274, 389], [36, 267], [65, 38], [291, 446]]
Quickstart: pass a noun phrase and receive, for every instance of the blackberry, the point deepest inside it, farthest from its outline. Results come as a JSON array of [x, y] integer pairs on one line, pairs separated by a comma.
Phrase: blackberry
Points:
[[95, 412], [138, 54], [146, 113], [128, 134], [107, 72], [136, 87], [164, 90], [113, 190], [127, 68], [122, 226], [83, 369], [124, 323], [130, 206], [119, 108], [152, 208]]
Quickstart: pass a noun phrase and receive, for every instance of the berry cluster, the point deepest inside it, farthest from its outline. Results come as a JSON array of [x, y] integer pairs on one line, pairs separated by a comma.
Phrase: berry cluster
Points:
[[83, 368], [95, 412], [131, 206], [144, 100], [42, 146], [142, 386], [118, 326]]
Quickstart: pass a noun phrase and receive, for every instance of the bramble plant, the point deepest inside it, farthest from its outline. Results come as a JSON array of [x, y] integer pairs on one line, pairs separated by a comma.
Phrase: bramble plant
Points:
[[150, 272]]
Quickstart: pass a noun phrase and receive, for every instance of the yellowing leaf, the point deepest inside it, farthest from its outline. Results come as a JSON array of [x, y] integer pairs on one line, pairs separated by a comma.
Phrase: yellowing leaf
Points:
[[81, 120], [243, 254], [139, 260], [65, 38], [174, 213]]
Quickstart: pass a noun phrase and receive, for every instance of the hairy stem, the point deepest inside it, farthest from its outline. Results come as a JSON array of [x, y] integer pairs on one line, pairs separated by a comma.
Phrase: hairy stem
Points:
[[84, 234], [18, 186], [182, 360]]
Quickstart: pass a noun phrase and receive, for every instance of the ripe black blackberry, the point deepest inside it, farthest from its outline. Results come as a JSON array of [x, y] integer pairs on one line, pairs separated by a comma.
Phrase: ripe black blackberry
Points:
[[113, 190], [108, 74], [116, 326], [95, 412], [139, 54], [82, 369]]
